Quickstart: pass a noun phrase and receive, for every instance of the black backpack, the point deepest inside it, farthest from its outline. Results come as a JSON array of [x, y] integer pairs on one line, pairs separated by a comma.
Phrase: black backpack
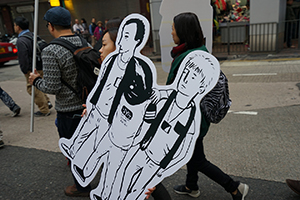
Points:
[[88, 64], [216, 103], [40, 45]]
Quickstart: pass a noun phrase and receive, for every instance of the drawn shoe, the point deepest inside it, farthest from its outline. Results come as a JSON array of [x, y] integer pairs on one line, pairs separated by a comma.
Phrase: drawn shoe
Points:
[[242, 191], [294, 185], [72, 191], [40, 114], [67, 150], [79, 172], [182, 189], [16, 111], [96, 197]]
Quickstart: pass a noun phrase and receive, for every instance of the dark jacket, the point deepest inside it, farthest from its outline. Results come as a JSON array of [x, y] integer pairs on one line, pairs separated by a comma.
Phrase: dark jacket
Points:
[[25, 52]]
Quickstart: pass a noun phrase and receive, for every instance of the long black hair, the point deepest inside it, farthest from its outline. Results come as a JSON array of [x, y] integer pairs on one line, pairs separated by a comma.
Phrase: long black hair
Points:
[[188, 30]]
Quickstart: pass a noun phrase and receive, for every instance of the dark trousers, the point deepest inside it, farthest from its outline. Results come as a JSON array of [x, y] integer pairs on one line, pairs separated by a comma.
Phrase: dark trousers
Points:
[[66, 124], [289, 27], [7, 100], [199, 163], [161, 193]]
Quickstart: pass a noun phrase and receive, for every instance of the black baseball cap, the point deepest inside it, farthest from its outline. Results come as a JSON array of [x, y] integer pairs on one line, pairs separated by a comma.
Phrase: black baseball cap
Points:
[[58, 16]]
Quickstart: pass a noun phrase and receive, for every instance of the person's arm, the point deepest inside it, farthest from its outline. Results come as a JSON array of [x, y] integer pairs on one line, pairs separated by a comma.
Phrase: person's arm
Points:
[[23, 56], [74, 28], [81, 28], [91, 30], [50, 83], [96, 31]]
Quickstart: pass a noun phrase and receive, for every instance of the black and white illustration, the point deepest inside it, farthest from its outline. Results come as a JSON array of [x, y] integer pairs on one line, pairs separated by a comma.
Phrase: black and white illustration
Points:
[[138, 131]]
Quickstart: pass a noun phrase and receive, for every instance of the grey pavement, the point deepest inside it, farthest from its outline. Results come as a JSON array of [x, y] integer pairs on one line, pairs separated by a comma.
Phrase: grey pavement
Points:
[[257, 143]]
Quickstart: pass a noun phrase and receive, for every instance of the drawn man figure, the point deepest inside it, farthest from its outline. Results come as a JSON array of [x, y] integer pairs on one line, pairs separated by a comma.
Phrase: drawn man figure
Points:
[[169, 137], [117, 102]]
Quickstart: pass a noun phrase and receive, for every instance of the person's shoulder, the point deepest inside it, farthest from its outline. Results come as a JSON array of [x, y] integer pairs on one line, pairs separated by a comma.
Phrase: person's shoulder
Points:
[[26, 36]]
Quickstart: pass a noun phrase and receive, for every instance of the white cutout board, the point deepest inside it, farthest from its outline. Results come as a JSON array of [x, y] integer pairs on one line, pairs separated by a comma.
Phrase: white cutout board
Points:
[[139, 131]]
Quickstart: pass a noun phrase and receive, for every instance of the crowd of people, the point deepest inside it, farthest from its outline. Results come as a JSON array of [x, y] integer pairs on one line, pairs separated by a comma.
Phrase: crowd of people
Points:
[[92, 33], [187, 35]]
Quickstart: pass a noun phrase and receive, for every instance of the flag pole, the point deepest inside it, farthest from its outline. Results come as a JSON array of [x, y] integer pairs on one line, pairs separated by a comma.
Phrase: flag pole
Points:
[[36, 11]]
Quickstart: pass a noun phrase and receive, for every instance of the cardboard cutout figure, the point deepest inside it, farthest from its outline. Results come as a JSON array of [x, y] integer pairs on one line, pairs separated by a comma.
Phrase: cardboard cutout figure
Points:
[[138, 131]]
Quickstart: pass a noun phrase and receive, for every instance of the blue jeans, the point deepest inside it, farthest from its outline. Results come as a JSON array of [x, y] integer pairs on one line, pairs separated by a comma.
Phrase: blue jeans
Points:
[[7, 100], [67, 123], [198, 162]]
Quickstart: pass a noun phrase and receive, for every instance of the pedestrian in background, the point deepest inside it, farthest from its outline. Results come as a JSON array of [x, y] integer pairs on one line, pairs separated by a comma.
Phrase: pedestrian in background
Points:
[[98, 31], [85, 33], [9, 102], [114, 22], [59, 64], [77, 28], [25, 54], [289, 24], [92, 28], [188, 36]]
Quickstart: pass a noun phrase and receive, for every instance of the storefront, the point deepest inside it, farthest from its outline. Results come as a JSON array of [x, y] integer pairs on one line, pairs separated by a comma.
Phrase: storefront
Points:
[[101, 10], [233, 13]]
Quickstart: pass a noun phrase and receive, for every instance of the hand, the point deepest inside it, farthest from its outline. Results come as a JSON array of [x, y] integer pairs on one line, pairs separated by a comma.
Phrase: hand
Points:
[[150, 191], [33, 76], [84, 112]]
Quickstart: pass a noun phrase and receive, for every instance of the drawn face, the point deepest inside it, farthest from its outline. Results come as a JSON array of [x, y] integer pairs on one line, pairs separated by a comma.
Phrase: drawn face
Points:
[[127, 42], [174, 35], [108, 46], [188, 80]]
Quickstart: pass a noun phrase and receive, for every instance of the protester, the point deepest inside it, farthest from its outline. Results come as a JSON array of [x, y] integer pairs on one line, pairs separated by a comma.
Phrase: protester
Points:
[[294, 185], [187, 35], [85, 33], [9, 102], [92, 27], [77, 28], [25, 53], [98, 31], [59, 64]]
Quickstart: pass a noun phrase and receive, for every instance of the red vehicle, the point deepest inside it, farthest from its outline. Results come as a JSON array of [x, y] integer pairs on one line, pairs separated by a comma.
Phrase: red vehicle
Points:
[[8, 52]]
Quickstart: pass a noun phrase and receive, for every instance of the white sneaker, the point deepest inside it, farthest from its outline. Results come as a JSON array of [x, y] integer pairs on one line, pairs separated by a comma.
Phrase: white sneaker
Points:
[[242, 191]]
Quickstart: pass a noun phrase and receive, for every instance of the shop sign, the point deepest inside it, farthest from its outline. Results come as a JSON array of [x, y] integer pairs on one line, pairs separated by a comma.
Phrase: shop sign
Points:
[[25, 9]]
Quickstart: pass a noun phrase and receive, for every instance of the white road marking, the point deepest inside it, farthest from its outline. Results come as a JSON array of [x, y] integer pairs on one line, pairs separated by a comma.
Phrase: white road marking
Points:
[[258, 74], [243, 112]]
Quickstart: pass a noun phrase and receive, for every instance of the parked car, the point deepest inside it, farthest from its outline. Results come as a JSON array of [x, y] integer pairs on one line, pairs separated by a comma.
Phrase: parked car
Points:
[[8, 51]]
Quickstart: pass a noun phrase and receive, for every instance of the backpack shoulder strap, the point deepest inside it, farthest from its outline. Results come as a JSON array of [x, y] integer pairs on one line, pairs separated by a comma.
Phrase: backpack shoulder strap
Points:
[[27, 36], [65, 43], [72, 48]]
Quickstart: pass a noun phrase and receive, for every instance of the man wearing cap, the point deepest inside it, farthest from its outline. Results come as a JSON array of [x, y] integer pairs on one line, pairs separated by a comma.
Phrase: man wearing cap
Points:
[[58, 64]]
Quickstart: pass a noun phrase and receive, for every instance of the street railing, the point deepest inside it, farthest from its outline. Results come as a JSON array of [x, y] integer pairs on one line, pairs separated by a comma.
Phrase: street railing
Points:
[[243, 38]]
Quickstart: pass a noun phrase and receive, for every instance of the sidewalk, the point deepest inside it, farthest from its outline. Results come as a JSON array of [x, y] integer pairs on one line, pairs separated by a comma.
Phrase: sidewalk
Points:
[[260, 150], [285, 53]]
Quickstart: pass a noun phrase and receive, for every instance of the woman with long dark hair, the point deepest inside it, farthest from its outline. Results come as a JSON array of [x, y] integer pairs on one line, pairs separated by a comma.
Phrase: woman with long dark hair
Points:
[[187, 34]]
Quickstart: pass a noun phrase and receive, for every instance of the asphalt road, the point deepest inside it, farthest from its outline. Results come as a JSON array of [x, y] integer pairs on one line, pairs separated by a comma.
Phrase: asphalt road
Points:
[[257, 142]]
